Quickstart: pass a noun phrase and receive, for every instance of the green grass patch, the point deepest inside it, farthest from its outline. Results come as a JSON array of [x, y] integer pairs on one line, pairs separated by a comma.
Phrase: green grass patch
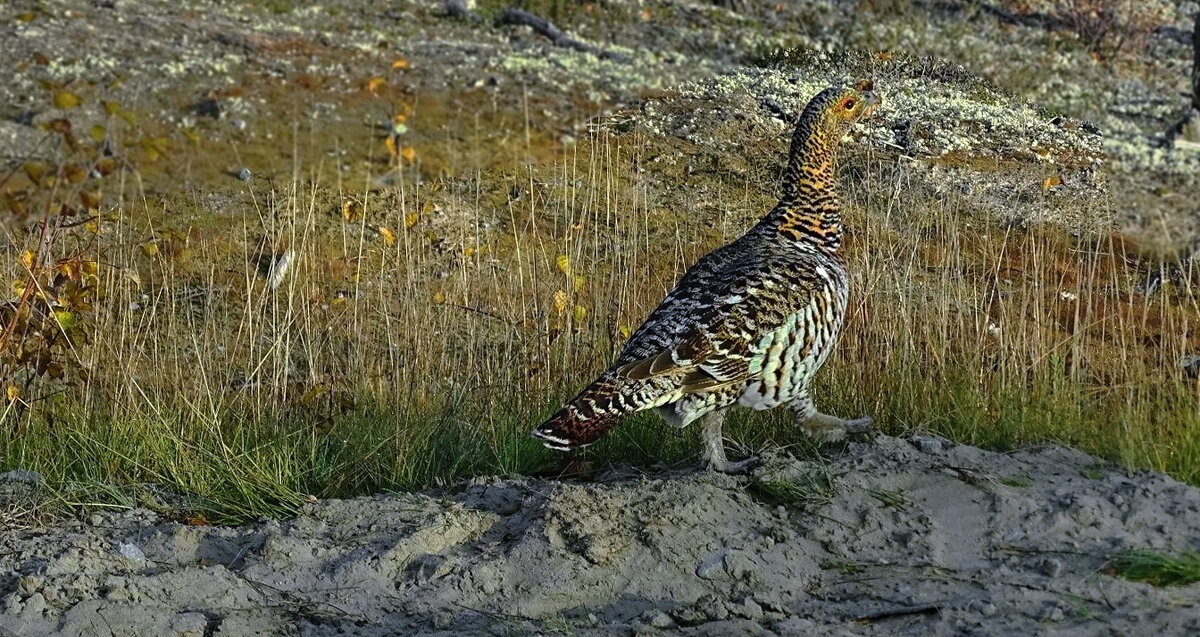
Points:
[[1157, 567]]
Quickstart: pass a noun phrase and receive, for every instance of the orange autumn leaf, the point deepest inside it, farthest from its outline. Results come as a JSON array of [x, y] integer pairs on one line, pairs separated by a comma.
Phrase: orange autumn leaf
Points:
[[408, 153], [390, 142], [400, 64], [374, 84], [1051, 182]]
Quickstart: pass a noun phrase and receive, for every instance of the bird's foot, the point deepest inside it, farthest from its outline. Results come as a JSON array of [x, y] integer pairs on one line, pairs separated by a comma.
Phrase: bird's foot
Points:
[[739, 468], [826, 428]]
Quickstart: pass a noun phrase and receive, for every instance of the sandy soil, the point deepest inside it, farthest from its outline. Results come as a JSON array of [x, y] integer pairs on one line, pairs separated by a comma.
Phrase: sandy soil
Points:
[[891, 536]]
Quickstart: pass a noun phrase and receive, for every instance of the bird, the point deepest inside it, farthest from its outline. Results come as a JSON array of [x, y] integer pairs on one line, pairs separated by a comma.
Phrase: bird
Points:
[[749, 323]]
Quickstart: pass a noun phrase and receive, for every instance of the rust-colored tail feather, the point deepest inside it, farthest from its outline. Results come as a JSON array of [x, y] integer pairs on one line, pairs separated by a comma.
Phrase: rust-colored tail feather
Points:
[[570, 429]]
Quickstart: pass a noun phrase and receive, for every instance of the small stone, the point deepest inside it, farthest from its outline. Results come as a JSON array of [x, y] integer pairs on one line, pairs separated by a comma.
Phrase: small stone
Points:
[[988, 610], [131, 552], [751, 610], [192, 624], [1052, 567], [928, 444], [239, 124], [709, 567], [29, 584], [34, 606], [95, 519], [244, 174], [1053, 614], [660, 619]]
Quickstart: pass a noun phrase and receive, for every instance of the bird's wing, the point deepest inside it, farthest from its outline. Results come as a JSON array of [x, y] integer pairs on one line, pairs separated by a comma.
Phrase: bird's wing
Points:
[[703, 359], [707, 333]]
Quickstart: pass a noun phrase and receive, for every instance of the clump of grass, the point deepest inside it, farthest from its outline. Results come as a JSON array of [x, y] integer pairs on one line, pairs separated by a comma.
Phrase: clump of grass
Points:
[[812, 488], [888, 498], [1021, 480], [1158, 568]]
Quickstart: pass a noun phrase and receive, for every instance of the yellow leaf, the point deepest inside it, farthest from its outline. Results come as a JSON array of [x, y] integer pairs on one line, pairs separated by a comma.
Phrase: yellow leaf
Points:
[[111, 107], [408, 153], [1051, 182], [438, 297], [625, 331], [351, 210], [91, 227], [18, 287], [74, 173], [12, 392], [469, 251], [411, 219], [564, 264], [560, 301], [389, 237], [66, 100], [400, 64], [150, 249], [580, 314], [89, 199], [35, 170], [28, 259], [375, 83], [580, 280], [97, 133], [390, 142]]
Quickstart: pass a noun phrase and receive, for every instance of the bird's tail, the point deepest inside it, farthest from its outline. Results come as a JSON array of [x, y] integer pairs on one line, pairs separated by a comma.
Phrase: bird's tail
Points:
[[578, 424]]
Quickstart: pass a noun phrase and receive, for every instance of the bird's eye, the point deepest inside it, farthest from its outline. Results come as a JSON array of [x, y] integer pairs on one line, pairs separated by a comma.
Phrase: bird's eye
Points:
[[849, 103]]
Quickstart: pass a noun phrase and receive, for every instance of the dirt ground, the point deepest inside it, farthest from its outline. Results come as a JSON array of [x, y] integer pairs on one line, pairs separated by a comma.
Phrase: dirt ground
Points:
[[916, 536], [913, 536]]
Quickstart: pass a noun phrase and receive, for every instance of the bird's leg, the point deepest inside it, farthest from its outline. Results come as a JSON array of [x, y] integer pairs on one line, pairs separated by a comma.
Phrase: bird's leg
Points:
[[714, 446], [824, 427]]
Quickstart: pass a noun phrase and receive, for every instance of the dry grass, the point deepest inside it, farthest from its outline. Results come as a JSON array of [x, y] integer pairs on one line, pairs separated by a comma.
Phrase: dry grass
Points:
[[190, 385]]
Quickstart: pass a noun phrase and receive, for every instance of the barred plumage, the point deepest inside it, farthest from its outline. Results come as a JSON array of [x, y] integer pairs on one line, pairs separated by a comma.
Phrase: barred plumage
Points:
[[749, 323]]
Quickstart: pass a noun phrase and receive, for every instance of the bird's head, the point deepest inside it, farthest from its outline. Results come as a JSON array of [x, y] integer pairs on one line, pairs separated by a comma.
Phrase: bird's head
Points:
[[834, 109]]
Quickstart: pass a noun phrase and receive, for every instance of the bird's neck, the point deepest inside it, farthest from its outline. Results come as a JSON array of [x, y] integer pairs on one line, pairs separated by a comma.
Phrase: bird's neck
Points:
[[808, 209]]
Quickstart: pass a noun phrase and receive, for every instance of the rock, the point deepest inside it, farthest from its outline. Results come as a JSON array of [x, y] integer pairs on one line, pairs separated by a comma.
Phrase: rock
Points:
[[193, 624], [930, 444], [710, 567], [749, 609], [244, 174], [131, 552], [1052, 567], [21, 476], [239, 124], [28, 584], [659, 619]]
